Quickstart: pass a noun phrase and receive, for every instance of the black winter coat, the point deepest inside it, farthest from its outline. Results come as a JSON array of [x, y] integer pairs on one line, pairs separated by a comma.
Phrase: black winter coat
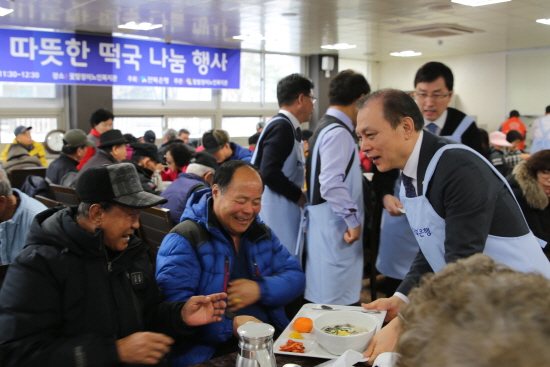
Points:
[[66, 299]]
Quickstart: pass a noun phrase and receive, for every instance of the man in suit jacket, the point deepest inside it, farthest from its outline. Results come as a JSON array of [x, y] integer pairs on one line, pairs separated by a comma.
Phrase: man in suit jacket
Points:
[[465, 206], [433, 83], [334, 179], [280, 157]]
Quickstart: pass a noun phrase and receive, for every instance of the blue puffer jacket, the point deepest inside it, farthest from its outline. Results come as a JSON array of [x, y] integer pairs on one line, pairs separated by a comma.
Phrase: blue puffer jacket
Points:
[[239, 153], [183, 271]]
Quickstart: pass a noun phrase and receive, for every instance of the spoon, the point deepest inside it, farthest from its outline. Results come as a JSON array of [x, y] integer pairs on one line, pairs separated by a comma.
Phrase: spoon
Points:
[[329, 308]]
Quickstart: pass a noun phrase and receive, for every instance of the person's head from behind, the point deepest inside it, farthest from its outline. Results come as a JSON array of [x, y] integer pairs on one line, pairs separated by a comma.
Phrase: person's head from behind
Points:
[[514, 113], [8, 201], [477, 313], [145, 155], [177, 156], [130, 138], [111, 198], [547, 110], [149, 137], [237, 192], [388, 123], [260, 126], [253, 140], [183, 135], [484, 136], [113, 143], [216, 142], [204, 165], [538, 167], [515, 138], [295, 94], [169, 134], [23, 135], [346, 88], [75, 144], [433, 85], [102, 120]]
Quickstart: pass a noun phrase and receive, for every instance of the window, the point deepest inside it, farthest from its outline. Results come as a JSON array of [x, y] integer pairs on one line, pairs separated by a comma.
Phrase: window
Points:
[[240, 126], [137, 126], [190, 94], [250, 86], [27, 90], [40, 127], [197, 126], [138, 93], [277, 67]]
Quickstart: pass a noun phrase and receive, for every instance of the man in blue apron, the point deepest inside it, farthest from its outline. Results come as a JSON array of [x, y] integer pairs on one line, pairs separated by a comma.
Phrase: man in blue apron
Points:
[[280, 157], [457, 204], [334, 257], [433, 85]]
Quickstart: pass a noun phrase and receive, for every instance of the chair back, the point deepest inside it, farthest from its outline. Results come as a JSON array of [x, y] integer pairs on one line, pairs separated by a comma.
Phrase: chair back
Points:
[[47, 201], [154, 224], [18, 176], [65, 195]]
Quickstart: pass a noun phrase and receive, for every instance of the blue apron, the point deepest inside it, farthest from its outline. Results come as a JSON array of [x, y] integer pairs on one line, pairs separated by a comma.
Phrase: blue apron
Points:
[[334, 269], [279, 213], [543, 142], [398, 246], [522, 253]]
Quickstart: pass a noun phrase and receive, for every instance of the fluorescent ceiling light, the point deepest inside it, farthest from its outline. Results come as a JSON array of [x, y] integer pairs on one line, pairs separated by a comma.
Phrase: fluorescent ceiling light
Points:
[[543, 21], [145, 26], [406, 53], [4, 11], [478, 2], [338, 46], [249, 37]]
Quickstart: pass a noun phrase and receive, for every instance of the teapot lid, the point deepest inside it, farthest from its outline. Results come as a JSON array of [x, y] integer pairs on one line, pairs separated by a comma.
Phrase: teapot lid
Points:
[[253, 330]]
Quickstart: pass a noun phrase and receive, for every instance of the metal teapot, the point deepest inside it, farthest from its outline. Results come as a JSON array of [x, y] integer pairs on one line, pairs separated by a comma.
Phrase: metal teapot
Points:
[[256, 343]]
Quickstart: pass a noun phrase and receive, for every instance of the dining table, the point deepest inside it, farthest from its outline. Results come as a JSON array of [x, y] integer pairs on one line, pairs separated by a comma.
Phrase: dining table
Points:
[[229, 360]]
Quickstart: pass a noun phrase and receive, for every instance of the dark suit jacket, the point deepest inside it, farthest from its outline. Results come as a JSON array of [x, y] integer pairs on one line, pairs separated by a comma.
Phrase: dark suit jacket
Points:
[[383, 183], [470, 197]]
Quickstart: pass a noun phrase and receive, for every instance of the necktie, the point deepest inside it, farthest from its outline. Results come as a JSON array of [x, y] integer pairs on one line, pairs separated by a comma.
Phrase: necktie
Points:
[[432, 128], [410, 192], [298, 134]]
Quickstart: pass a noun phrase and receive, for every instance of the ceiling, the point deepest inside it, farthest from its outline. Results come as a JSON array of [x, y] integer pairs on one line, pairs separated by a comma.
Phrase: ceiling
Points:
[[301, 26]]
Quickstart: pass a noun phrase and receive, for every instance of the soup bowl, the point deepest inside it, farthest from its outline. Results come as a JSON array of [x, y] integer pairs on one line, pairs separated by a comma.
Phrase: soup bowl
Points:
[[338, 344]]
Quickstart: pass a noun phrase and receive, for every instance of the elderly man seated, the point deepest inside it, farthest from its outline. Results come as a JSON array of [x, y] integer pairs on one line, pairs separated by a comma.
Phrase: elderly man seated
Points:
[[83, 293], [24, 139], [221, 246], [17, 211]]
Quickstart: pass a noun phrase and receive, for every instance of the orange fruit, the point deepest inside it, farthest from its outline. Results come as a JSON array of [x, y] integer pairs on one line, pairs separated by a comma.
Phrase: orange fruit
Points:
[[303, 325]]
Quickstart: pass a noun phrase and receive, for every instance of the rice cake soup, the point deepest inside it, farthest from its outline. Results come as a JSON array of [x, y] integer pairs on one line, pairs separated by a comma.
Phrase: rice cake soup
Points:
[[344, 330]]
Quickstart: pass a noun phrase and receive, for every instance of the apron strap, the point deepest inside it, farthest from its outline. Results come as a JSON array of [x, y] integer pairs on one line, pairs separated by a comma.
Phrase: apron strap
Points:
[[466, 122], [254, 155]]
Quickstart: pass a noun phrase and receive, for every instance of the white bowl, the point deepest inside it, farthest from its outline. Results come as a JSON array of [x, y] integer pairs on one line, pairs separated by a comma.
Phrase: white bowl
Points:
[[338, 344]]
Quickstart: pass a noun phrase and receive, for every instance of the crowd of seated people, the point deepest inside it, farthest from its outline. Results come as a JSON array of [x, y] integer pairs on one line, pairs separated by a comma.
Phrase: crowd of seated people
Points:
[[220, 246]]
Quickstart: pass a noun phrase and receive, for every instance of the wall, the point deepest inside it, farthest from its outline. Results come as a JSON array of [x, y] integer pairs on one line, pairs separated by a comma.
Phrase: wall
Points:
[[480, 83]]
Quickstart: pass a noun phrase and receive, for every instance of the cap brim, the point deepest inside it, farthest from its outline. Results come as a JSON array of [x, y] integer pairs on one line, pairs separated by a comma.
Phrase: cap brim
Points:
[[212, 150], [114, 142], [140, 200]]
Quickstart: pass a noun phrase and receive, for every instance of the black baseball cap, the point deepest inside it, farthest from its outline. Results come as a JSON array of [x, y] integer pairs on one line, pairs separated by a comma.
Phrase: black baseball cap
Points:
[[146, 150]]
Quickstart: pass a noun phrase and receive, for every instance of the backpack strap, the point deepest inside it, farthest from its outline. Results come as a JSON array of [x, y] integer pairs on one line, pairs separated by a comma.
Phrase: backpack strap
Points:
[[196, 234]]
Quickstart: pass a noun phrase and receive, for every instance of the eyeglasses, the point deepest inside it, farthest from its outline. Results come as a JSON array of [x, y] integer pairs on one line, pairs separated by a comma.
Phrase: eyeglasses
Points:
[[313, 99], [435, 97]]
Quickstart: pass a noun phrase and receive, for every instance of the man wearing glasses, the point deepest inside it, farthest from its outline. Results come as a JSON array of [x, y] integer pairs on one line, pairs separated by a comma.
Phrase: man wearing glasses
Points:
[[280, 157], [433, 92]]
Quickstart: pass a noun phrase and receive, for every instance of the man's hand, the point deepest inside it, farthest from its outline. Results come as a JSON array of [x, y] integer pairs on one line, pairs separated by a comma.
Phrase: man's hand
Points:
[[201, 310], [302, 200], [241, 320], [352, 234], [392, 205], [242, 293], [391, 305], [384, 341], [143, 348]]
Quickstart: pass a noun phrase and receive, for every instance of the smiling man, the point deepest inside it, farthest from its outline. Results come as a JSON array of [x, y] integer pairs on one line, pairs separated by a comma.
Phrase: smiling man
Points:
[[82, 291], [456, 202], [221, 245]]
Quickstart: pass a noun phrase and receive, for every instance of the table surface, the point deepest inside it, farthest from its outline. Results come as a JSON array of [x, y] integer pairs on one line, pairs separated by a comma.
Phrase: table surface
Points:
[[230, 360]]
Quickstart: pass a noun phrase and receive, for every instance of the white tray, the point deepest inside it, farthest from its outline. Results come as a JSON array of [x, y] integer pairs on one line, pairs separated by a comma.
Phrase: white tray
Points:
[[312, 348]]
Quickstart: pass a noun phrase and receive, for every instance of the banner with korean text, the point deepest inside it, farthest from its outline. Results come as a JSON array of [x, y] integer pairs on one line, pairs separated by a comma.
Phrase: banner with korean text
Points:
[[72, 58]]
